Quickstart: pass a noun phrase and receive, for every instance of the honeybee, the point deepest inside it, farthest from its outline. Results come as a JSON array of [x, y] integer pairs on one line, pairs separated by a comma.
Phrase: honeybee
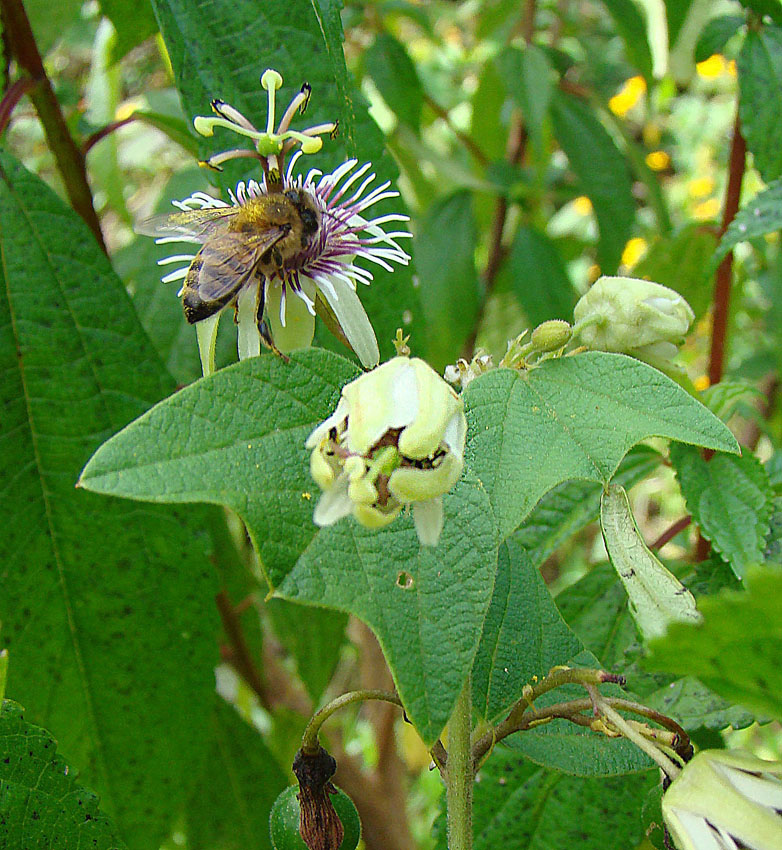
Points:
[[255, 241]]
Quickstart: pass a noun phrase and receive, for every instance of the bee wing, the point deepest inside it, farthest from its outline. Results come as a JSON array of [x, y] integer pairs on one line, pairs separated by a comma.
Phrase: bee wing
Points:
[[221, 268], [191, 224]]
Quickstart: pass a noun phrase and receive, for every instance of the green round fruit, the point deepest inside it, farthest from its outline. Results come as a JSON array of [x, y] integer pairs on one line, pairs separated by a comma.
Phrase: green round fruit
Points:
[[284, 821]]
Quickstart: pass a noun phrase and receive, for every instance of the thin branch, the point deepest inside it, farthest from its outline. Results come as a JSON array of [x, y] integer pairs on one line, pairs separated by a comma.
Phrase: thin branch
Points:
[[69, 158], [93, 139], [469, 143], [671, 532], [15, 92], [240, 657]]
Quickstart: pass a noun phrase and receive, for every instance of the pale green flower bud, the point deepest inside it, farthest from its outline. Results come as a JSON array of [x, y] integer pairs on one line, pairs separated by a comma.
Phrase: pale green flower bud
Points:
[[551, 335], [396, 438], [632, 316], [725, 799]]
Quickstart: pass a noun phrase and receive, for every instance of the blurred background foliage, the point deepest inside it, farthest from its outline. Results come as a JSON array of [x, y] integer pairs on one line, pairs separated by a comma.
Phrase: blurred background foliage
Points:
[[539, 145]]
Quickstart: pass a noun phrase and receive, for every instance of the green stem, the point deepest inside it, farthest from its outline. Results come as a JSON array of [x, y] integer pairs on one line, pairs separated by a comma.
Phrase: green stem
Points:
[[459, 776], [309, 740]]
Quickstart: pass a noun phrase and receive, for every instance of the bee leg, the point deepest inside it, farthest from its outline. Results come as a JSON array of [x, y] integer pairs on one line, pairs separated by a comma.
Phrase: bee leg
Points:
[[263, 328]]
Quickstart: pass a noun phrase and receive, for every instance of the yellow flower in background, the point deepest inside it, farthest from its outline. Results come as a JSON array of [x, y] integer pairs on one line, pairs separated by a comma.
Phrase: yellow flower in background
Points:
[[702, 383], [700, 187], [658, 160], [582, 205], [707, 210], [634, 250], [712, 67], [627, 97]]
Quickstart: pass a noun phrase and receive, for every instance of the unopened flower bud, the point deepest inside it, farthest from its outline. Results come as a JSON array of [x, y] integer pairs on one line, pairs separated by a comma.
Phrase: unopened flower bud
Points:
[[724, 799], [551, 335], [396, 438], [632, 316]]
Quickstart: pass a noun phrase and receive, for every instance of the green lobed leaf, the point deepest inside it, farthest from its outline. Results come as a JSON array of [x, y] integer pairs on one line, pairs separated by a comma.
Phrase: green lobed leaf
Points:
[[737, 651], [107, 607], [214, 50], [731, 500], [523, 635], [656, 597], [631, 26], [537, 276], [678, 260], [760, 103], [426, 605], [716, 34], [243, 446], [573, 417], [574, 749], [572, 505], [694, 706], [41, 804], [396, 78], [762, 215], [727, 397], [313, 636], [230, 804], [602, 174], [445, 255], [520, 806]]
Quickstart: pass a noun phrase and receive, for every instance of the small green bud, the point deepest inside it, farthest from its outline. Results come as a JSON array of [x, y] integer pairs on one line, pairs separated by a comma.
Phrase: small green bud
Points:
[[551, 335], [286, 813]]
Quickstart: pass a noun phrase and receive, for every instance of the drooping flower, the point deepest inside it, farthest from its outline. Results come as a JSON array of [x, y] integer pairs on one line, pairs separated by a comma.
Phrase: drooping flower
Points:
[[286, 246], [632, 316], [396, 438], [725, 800]]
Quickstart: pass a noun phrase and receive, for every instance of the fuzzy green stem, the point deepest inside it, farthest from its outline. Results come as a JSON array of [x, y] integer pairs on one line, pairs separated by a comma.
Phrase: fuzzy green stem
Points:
[[459, 776], [309, 740]]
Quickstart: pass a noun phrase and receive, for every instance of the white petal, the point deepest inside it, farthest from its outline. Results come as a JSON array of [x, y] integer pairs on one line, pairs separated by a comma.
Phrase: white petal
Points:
[[353, 320], [249, 340], [206, 332], [428, 519], [299, 325], [455, 433], [333, 505], [334, 421]]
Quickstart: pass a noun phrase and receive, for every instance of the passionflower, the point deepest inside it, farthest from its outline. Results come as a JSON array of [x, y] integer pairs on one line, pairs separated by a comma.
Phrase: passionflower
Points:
[[396, 438], [725, 800], [286, 246], [632, 316]]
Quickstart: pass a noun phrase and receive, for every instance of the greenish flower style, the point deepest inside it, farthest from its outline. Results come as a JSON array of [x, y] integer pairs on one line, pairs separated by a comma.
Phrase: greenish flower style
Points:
[[396, 438], [725, 800], [633, 316]]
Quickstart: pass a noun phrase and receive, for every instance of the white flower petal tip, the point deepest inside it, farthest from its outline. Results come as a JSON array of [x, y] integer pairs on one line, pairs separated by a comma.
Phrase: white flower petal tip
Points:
[[725, 799], [632, 316], [397, 438]]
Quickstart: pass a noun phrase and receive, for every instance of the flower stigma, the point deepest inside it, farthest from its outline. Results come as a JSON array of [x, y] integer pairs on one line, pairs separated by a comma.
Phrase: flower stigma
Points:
[[396, 438]]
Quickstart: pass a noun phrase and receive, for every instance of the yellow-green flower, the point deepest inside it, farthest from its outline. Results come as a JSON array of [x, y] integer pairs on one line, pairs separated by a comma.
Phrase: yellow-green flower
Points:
[[396, 438], [725, 800]]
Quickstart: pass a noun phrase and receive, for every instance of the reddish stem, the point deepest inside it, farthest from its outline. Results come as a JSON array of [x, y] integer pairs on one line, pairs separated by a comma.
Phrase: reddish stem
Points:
[[14, 94], [92, 140], [668, 535]]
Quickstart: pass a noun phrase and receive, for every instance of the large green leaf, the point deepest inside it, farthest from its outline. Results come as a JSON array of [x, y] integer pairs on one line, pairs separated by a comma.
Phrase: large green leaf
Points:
[[133, 20], [523, 635], [235, 438], [602, 174], [696, 707], [631, 26], [572, 505], [536, 274], [716, 34], [244, 432], [529, 79], [219, 48], [731, 500], [574, 417], [230, 806], [445, 254], [396, 78], [106, 606], [520, 806], [426, 605], [760, 84], [41, 804], [737, 651]]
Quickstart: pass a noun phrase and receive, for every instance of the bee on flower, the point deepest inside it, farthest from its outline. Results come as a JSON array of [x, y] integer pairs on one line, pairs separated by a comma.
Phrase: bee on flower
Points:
[[396, 438], [285, 248]]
